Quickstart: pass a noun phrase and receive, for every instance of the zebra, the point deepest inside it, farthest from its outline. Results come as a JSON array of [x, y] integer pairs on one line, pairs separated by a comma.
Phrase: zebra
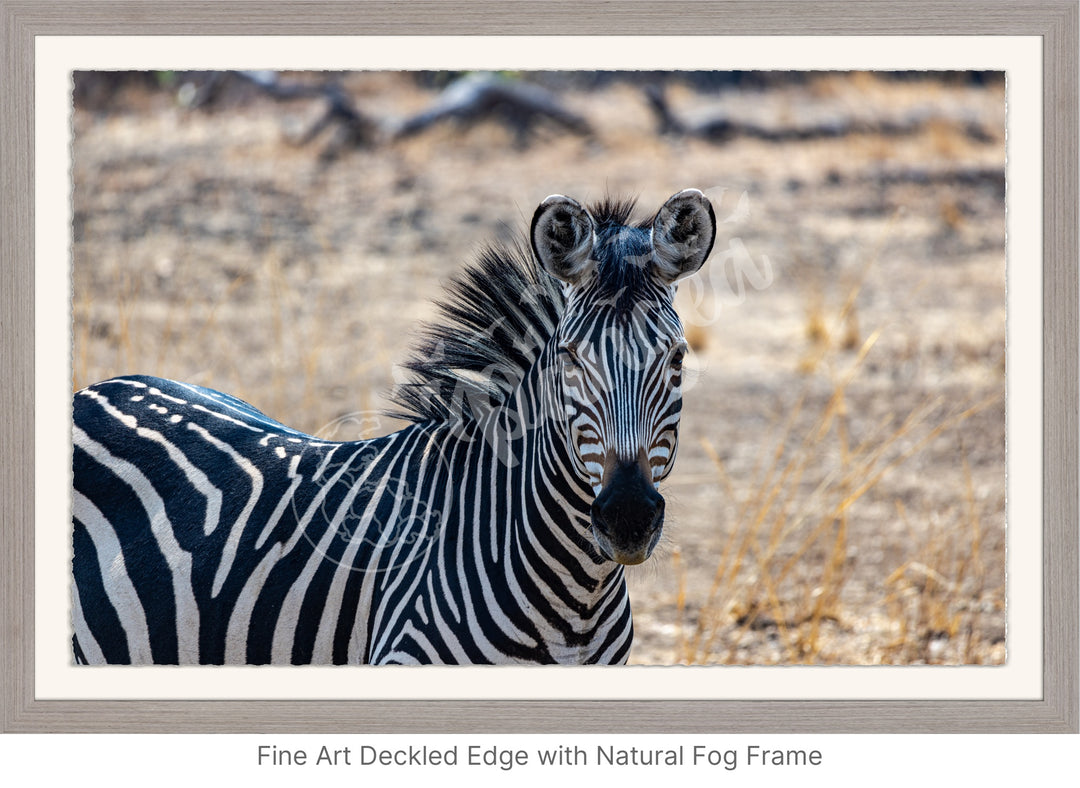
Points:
[[542, 412]]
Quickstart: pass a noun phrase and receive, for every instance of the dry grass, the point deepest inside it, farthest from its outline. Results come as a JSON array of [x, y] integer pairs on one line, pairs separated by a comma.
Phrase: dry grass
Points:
[[793, 513], [839, 495]]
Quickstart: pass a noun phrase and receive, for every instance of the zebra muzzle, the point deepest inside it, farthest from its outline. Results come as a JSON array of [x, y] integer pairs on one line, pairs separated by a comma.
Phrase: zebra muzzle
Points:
[[628, 514]]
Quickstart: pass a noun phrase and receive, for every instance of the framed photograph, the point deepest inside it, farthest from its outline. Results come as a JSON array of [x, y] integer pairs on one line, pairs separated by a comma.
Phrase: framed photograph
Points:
[[833, 250]]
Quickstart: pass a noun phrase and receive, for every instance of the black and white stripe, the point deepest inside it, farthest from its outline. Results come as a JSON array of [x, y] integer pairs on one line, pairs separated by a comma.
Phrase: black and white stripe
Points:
[[492, 529]]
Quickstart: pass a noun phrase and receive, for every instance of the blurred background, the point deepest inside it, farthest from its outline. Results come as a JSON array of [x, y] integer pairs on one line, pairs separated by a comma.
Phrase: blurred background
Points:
[[839, 496]]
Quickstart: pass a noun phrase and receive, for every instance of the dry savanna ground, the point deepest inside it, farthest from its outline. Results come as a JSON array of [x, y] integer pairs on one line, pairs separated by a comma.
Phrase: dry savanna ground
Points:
[[839, 496]]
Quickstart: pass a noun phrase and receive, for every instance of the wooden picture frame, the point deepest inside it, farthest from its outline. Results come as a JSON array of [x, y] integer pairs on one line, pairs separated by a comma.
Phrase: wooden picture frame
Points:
[[1055, 21]]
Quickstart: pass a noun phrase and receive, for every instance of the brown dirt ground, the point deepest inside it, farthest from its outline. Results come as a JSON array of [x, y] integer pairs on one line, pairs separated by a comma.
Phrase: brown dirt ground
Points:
[[825, 482]]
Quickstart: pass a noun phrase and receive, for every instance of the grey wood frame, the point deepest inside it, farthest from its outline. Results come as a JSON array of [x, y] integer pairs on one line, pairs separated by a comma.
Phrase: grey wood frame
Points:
[[1056, 21]]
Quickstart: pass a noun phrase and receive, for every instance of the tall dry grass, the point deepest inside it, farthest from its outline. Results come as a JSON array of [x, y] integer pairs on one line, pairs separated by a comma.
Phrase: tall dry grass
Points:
[[785, 564]]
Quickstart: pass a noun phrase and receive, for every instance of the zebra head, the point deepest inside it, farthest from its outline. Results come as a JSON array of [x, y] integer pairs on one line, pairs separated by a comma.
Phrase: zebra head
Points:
[[616, 356]]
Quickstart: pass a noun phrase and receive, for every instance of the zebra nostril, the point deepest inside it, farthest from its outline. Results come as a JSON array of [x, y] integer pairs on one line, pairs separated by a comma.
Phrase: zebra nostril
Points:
[[628, 515], [627, 523], [658, 514]]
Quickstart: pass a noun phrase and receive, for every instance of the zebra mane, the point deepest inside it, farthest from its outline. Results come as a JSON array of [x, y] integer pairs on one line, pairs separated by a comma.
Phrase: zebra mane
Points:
[[494, 320]]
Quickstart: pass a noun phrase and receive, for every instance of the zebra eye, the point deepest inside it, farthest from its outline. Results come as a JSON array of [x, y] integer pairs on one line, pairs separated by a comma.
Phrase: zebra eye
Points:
[[677, 359], [568, 359]]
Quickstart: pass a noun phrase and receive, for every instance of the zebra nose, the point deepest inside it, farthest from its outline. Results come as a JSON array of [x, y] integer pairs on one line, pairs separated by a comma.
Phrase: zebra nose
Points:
[[628, 515]]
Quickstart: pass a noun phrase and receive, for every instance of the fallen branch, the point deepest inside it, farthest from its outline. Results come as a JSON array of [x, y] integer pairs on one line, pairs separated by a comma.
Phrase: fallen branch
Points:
[[475, 97], [720, 129]]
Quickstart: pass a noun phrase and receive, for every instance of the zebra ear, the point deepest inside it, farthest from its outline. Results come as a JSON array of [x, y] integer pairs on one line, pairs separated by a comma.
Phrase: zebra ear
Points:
[[562, 238], [682, 235]]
